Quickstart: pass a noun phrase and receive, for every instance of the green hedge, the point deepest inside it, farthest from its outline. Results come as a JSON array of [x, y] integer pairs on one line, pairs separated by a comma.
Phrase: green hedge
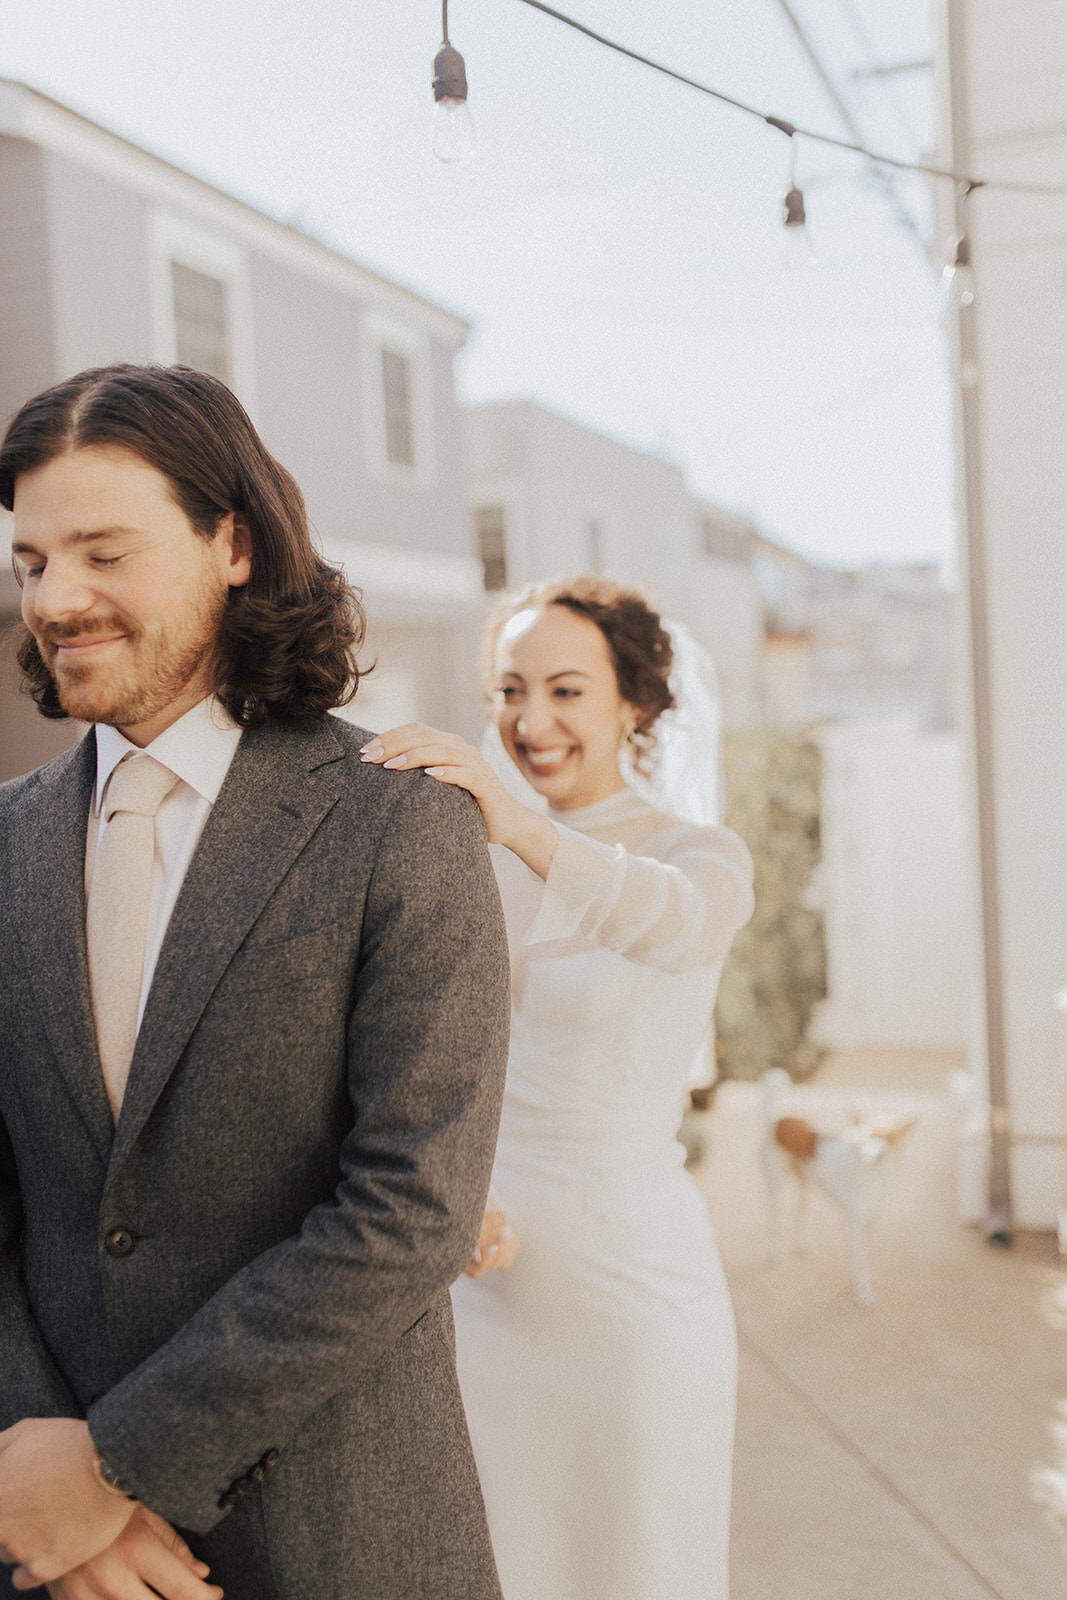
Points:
[[775, 973]]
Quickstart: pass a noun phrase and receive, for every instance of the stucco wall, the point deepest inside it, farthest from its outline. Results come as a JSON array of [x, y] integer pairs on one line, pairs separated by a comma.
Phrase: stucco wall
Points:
[[554, 478], [895, 890], [98, 247], [25, 280], [721, 605]]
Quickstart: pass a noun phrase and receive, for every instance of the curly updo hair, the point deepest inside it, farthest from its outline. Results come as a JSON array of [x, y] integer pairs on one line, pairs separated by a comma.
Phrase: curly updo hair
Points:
[[638, 643], [287, 642]]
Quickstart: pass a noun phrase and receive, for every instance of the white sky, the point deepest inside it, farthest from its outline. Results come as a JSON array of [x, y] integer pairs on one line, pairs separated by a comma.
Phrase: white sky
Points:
[[616, 241]]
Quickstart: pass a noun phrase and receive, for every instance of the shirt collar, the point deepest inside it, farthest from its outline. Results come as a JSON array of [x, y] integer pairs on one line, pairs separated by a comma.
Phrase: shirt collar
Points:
[[199, 747]]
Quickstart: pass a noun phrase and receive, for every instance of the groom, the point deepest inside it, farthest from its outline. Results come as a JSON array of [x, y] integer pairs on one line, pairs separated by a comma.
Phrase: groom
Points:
[[253, 1014]]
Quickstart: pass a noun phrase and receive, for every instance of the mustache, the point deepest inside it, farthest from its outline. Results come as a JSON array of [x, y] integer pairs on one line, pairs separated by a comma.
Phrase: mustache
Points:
[[56, 633]]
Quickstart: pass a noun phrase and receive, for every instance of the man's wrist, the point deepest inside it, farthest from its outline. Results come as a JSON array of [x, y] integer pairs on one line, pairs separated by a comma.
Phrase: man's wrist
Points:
[[109, 1478]]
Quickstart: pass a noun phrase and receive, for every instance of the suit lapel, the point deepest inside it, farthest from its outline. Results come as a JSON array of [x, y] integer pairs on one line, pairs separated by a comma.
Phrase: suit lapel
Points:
[[48, 895], [276, 794]]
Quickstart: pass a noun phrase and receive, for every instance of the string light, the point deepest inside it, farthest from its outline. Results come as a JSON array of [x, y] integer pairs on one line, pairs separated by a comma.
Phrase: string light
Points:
[[957, 279], [454, 142], [1002, 185], [453, 128], [799, 250]]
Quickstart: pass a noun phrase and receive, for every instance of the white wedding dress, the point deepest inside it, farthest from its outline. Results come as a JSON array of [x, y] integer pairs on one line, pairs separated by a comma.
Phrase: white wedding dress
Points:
[[599, 1371]]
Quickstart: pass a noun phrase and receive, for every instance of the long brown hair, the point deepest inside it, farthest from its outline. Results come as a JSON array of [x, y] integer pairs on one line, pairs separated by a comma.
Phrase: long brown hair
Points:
[[288, 638]]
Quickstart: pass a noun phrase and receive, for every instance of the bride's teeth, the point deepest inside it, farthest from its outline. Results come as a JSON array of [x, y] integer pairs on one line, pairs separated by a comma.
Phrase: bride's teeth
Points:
[[546, 758]]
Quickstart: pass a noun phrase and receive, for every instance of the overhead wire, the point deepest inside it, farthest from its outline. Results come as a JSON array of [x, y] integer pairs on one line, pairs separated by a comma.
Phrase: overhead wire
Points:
[[794, 130], [883, 75], [885, 181]]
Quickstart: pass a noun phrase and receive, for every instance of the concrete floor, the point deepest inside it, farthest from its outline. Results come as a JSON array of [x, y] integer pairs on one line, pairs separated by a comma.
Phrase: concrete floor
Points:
[[916, 1449]]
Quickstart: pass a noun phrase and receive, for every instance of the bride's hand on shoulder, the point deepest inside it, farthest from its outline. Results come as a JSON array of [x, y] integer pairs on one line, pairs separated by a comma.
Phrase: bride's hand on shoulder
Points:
[[450, 759], [497, 1247]]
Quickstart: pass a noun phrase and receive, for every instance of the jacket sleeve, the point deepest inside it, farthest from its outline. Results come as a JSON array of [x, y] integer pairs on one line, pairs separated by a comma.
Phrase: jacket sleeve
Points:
[[30, 1384], [674, 913], [426, 1052]]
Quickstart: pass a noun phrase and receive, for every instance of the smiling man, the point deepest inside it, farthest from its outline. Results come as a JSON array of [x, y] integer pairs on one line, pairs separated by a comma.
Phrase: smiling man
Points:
[[253, 1018], [123, 613]]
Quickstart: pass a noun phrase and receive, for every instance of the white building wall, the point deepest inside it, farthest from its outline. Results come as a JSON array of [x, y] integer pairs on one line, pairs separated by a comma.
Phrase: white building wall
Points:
[[1016, 71], [788, 681], [722, 607], [895, 890], [558, 482]]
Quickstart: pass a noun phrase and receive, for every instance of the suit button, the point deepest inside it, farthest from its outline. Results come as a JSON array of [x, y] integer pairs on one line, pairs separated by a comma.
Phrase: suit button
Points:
[[271, 1458], [227, 1500], [118, 1242]]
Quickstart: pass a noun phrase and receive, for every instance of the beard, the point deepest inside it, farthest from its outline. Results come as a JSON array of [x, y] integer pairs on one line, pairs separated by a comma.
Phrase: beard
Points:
[[147, 670]]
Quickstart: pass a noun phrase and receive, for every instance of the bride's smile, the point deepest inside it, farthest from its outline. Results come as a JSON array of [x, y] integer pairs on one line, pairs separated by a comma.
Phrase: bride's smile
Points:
[[557, 706]]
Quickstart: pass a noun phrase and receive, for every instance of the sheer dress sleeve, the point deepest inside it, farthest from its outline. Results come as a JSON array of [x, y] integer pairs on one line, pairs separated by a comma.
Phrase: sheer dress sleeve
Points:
[[675, 912]]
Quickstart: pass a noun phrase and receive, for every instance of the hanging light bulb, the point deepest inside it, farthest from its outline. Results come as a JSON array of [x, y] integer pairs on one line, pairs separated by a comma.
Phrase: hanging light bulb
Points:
[[957, 280], [799, 249], [453, 130], [956, 289]]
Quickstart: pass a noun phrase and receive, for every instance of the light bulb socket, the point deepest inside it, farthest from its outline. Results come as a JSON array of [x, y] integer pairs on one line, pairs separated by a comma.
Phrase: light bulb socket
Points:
[[793, 214], [449, 75]]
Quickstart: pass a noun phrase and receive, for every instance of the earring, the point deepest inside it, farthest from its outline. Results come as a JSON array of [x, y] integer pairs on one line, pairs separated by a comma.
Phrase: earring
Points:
[[627, 732]]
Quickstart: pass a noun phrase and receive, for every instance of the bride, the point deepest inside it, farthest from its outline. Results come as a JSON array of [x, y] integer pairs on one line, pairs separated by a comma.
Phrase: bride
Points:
[[599, 1371]]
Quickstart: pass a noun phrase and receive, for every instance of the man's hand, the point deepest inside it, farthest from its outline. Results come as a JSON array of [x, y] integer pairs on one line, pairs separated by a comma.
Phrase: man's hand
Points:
[[497, 1247], [55, 1511], [148, 1559]]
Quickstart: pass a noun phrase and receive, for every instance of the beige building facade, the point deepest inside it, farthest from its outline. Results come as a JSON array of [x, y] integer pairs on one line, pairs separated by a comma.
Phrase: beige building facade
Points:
[[108, 253]]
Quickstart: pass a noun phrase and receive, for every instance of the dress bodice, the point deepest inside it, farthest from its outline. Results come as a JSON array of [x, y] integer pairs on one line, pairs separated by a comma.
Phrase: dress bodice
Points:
[[615, 962]]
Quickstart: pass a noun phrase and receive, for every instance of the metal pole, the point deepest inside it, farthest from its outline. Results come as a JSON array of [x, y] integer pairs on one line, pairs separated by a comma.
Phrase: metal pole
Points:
[[999, 1218]]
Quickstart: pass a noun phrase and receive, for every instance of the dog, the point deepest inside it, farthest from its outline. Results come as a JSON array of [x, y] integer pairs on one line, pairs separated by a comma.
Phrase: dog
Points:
[[846, 1165]]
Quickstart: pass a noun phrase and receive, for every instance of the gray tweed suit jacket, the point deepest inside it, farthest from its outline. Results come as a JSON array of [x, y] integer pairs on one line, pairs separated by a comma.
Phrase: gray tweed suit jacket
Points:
[[244, 1285]]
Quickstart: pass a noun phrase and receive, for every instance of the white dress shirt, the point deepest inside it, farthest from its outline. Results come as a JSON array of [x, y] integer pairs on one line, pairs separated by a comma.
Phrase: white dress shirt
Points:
[[199, 747]]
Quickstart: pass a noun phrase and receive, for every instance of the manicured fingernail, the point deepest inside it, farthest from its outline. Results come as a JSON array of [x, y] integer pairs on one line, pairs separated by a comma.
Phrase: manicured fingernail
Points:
[[507, 1231], [373, 750], [477, 1255], [436, 772], [492, 1250], [397, 761]]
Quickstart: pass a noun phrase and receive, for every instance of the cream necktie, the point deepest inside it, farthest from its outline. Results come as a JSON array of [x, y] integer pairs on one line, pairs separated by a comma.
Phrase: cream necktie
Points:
[[117, 915]]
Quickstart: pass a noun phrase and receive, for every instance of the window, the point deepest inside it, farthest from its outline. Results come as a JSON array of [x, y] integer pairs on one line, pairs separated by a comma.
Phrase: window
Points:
[[491, 530], [397, 408], [202, 303], [201, 322], [397, 376], [724, 537]]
